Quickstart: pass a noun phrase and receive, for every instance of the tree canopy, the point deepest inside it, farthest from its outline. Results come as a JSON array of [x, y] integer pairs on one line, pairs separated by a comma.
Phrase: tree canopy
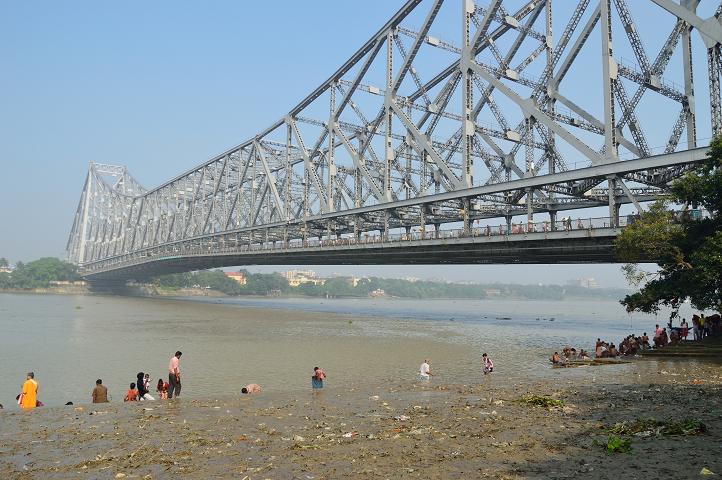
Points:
[[39, 274], [686, 246]]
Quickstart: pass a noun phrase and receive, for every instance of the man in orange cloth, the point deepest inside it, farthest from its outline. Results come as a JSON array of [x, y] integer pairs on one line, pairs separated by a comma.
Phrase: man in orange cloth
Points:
[[29, 397]]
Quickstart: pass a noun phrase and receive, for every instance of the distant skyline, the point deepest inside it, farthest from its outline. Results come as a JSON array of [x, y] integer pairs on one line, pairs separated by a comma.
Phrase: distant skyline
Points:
[[605, 275], [162, 86]]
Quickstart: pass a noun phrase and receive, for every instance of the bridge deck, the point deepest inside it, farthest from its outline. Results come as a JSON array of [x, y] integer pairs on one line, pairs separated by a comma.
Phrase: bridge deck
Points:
[[590, 245]]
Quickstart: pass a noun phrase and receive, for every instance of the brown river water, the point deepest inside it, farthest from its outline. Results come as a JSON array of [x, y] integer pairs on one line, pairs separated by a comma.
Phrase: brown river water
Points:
[[70, 341]]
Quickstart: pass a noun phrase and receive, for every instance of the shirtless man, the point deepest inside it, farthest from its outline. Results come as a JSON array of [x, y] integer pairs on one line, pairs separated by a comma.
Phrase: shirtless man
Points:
[[251, 388]]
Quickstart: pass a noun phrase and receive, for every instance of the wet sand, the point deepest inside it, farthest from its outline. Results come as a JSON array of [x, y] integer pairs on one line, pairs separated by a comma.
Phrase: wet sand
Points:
[[410, 430]]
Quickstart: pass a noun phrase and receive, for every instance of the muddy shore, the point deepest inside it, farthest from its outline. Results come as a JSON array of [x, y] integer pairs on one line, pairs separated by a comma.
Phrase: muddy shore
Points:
[[408, 430]]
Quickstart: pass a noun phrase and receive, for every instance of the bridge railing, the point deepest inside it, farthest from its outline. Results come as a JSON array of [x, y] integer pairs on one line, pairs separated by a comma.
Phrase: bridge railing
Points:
[[220, 245]]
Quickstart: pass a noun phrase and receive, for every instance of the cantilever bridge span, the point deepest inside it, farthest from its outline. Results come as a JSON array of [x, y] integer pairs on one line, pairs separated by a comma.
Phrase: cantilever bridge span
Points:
[[459, 133]]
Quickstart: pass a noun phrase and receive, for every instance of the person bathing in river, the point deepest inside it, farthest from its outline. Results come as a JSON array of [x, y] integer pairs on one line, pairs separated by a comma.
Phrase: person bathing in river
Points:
[[556, 359], [488, 364], [174, 375], [146, 383], [252, 388], [100, 392], [425, 370], [142, 389], [28, 399], [162, 389], [318, 377], [132, 394]]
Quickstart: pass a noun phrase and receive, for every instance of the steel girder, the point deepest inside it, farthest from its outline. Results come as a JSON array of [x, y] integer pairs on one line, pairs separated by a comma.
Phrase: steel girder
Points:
[[497, 131]]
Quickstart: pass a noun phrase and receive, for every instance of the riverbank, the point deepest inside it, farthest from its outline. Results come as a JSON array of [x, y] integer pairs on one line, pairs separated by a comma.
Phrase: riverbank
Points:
[[402, 431], [143, 290]]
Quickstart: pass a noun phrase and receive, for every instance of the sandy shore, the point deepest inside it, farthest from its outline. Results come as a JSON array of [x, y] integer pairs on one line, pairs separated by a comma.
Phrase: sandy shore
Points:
[[409, 431]]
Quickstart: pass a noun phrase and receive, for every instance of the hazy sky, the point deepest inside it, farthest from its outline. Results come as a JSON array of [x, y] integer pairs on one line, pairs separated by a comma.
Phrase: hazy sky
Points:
[[162, 86]]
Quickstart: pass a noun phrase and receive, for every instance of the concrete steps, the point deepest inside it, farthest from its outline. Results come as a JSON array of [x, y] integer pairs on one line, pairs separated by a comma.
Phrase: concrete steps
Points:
[[705, 348]]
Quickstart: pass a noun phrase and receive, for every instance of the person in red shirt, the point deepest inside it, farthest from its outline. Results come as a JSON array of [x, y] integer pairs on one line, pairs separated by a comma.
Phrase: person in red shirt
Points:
[[132, 395], [162, 389]]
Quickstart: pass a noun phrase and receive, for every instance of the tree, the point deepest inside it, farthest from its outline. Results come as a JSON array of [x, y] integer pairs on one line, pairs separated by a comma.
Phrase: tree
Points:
[[4, 262], [39, 273], [687, 247]]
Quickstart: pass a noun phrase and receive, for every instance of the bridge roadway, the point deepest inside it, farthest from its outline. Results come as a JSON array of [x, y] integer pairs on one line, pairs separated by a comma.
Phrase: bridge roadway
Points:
[[584, 241]]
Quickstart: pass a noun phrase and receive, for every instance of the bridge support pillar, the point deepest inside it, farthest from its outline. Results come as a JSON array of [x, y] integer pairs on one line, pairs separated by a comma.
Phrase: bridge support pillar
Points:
[[613, 207], [422, 220], [553, 220], [508, 224], [436, 230], [385, 230], [529, 205], [465, 207]]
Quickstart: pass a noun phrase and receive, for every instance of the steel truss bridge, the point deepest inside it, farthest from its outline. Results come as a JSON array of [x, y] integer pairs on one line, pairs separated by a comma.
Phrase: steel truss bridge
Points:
[[457, 134]]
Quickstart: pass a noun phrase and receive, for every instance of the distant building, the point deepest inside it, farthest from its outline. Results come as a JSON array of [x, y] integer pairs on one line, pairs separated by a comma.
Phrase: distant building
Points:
[[492, 292], [297, 277], [354, 280], [65, 283], [377, 293], [589, 282], [5, 270], [237, 277], [411, 279]]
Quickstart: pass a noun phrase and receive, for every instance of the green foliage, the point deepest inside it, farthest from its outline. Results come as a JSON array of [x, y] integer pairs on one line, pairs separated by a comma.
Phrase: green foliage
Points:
[[687, 250], [265, 283], [4, 262], [206, 279], [5, 280], [256, 284], [650, 426], [39, 274], [542, 401], [617, 444]]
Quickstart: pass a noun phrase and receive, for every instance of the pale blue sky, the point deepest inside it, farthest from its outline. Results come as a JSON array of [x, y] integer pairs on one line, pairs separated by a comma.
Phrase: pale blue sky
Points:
[[160, 87]]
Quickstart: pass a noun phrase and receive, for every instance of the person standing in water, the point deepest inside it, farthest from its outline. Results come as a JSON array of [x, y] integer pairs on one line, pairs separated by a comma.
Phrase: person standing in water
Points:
[[425, 370], [142, 386], [318, 377], [29, 395], [174, 378]]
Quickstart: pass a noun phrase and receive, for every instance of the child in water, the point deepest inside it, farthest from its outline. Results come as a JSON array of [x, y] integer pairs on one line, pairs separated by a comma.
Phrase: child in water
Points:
[[162, 389], [132, 395], [488, 364]]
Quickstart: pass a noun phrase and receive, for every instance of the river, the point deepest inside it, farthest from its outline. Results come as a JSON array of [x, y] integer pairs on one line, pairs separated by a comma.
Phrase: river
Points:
[[70, 341]]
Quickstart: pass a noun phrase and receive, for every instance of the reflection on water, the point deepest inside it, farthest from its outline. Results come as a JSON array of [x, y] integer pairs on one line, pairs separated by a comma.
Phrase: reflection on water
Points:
[[366, 343]]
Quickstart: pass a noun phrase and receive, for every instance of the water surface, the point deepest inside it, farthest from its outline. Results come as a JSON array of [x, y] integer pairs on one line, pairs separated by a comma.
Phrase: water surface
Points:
[[69, 341]]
